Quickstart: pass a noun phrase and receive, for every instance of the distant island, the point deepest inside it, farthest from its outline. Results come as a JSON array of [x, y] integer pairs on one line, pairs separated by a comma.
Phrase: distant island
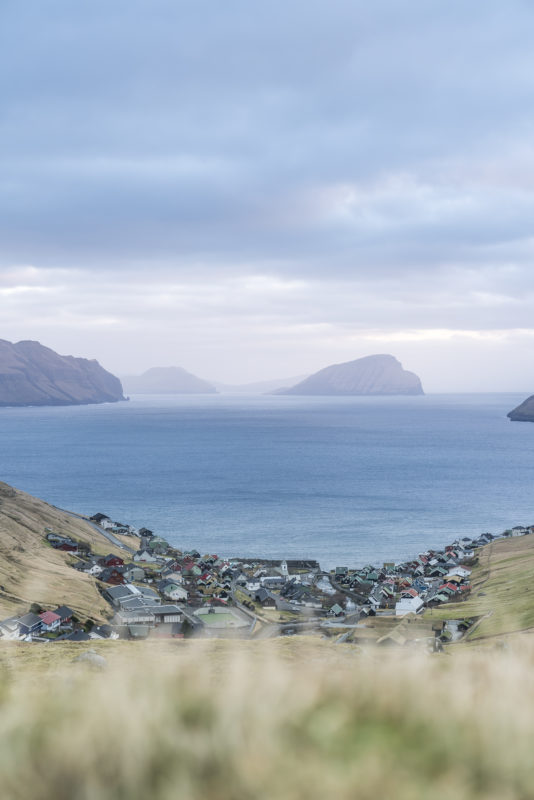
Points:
[[167, 380], [524, 412], [34, 375], [371, 375]]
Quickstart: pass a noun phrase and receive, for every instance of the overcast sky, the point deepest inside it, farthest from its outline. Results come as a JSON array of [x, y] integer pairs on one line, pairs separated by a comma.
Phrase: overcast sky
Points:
[[257, 189]]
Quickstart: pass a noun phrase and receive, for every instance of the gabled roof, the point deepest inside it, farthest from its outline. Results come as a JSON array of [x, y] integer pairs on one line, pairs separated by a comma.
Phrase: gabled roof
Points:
[[49, 617]]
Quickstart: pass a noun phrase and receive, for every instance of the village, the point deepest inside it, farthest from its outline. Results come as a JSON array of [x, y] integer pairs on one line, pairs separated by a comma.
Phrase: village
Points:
[[155, 591]]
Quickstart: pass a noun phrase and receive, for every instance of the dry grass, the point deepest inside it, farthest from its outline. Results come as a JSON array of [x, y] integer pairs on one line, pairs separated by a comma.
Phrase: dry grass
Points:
[[265, 721], [31, 570]]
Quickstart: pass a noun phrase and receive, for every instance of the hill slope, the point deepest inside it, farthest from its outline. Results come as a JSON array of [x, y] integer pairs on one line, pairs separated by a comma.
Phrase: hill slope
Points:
[[34, 375], [31, 570], [372, 375], [502, 595]]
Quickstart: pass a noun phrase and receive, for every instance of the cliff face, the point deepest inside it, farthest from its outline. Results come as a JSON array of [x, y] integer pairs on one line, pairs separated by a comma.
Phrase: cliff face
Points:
[[31, 374], [167, 380], [372, 375], [523, 412]]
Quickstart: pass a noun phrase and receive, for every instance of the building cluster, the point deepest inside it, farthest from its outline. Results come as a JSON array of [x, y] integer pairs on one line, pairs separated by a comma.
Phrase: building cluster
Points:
[[159, 591]]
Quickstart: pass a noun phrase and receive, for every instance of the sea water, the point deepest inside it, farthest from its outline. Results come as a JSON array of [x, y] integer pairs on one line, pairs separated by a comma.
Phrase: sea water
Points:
[[345, 481]]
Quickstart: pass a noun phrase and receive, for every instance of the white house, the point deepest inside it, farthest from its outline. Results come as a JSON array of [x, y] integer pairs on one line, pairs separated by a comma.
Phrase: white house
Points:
[[175, 592], [408, 605], [145, 556], [461, 572]]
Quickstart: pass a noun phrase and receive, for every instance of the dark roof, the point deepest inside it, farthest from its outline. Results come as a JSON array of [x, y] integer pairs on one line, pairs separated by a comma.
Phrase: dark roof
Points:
[[262, 595], [103, 630], [29, 620], [64, 612], [116, 592]]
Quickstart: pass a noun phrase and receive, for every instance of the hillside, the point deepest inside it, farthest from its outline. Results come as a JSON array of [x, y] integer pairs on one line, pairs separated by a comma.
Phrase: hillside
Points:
[[503, 594], [31, 570], [167, 380], [34, 375], [372, 375]]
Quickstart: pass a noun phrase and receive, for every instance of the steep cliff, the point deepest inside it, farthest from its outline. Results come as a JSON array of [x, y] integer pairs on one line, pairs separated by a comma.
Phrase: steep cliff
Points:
[[372, 375], [523, 412], [31, 374]]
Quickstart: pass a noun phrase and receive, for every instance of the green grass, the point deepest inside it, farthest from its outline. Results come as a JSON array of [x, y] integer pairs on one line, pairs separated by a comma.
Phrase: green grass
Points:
[[503, 590]]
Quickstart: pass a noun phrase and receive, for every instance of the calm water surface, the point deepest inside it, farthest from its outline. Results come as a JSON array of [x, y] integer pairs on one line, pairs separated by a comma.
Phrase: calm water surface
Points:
[[342, 480]]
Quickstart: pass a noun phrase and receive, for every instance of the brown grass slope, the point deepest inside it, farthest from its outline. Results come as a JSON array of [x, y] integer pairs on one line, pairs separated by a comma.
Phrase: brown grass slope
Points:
[[32, 571], [503, 590]]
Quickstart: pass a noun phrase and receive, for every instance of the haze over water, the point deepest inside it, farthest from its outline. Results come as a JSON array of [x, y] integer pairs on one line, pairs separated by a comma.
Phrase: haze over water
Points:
[[341, 480]]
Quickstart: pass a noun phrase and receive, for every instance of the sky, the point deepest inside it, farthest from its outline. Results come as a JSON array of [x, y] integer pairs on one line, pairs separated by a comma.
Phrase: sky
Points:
[[254, 190]]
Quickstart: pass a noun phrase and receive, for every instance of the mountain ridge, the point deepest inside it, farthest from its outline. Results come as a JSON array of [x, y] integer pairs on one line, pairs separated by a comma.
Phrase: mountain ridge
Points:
[[32, 374], [167, 380], [371, 375]]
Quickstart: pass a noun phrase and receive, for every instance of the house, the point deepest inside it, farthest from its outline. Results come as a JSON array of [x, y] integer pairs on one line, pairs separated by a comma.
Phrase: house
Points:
[[103, 632], [172, 590], [132, 572], [9, 629], [146, 557], [336, 610], [112, 575], [50, 621], [463, 572], [116, 594], [265, 598], [158, 545], [111, 560], [98, 518], [408, 605], [29, 624], [67, 547], [65, 614]]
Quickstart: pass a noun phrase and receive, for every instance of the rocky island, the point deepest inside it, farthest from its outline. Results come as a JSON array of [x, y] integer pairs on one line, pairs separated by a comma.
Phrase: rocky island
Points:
[[167, 380], [34, 375], [524, 412], [371, 375]]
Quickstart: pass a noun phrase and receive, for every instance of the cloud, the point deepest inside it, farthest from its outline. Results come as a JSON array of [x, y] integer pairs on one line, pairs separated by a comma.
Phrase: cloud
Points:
[[294, 171]]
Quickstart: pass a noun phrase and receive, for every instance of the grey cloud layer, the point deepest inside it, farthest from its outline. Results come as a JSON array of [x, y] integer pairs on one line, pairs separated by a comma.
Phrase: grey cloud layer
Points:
[[306, 131], [288, 171]]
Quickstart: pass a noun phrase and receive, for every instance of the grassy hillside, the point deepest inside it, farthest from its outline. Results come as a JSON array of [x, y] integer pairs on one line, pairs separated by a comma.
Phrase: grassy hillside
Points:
[[31, 570], [503, 590]]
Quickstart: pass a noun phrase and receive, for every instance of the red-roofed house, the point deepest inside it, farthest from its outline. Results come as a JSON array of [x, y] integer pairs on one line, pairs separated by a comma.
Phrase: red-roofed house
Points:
[[50, 621]]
